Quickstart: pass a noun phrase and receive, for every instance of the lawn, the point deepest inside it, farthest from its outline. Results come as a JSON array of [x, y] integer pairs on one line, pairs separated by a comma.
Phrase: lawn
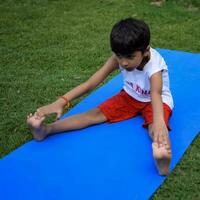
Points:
[[48, 47]]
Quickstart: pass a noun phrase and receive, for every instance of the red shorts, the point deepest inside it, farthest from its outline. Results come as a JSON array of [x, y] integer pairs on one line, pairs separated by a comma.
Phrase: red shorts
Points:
[[122, 106]]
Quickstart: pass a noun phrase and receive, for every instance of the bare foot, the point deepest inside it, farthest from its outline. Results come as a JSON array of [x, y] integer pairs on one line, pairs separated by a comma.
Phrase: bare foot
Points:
[[162, 156], [36, 126]]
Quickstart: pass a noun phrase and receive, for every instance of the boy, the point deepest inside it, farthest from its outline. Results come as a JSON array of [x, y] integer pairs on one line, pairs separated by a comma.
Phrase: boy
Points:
[[145, 91]]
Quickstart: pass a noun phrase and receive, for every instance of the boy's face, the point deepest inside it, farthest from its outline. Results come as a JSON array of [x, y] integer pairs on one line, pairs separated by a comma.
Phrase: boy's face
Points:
[[132, 61]]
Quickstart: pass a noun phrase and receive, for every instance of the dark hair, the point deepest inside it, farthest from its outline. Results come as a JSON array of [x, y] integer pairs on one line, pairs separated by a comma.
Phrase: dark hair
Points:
[[129, 35]]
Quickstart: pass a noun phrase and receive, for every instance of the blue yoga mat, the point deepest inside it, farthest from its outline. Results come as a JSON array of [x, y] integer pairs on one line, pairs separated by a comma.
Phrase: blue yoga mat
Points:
[[106, 161]]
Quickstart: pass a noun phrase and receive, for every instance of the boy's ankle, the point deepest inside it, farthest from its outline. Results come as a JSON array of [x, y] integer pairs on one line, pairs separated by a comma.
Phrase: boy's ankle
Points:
[[47, 129]]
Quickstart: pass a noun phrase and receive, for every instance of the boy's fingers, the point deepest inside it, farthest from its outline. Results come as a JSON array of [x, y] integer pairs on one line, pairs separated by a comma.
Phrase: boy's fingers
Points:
[[166, 140], [160, 141], [155, 138], [43, 118], [36, 116], [39, 113], [168, 146], [58, 115]]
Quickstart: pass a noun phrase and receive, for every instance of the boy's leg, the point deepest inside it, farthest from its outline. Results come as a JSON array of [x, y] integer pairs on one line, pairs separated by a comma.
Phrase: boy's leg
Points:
[[162, 155], [117, 108], [41, 131]]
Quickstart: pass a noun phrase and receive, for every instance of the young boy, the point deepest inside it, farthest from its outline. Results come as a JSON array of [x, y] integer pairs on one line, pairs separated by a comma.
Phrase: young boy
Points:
[[145, 91]]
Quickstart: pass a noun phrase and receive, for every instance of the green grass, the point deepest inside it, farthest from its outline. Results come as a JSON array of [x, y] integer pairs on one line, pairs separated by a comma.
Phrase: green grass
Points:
[[186, 3], [48, 47]]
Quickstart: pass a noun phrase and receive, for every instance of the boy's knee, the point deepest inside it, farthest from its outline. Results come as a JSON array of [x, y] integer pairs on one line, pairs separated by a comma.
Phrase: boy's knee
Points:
[[96, 115]]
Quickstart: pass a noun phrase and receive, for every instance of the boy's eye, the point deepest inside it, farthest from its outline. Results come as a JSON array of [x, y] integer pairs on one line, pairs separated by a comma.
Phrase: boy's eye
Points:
[[126, 56], [130, 56], [119, 56]]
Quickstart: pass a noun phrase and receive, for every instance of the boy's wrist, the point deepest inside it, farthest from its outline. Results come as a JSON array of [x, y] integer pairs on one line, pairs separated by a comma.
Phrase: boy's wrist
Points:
[[63, 101], [158, 120], [60, 102]]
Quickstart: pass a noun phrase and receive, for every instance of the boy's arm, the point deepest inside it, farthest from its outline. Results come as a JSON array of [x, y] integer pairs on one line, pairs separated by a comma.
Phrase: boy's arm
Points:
[[159, 128], [58, 106], [110, 65]]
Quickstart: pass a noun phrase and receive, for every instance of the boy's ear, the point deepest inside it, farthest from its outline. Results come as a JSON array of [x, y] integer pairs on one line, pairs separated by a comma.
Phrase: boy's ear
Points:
[[148, 48], [146, 52]]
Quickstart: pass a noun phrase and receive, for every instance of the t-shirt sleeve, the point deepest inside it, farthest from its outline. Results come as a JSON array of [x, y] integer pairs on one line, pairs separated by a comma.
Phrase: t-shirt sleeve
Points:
[[158, 65]]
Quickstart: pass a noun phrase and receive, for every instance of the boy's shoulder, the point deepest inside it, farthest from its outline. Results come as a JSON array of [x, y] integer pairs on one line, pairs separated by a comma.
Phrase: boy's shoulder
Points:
[[156, 58], [156, 63], [155, 55]]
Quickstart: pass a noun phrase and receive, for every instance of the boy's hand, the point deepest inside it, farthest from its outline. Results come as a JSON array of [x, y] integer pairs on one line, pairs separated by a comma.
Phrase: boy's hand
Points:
[[55, 107], [160, 134]]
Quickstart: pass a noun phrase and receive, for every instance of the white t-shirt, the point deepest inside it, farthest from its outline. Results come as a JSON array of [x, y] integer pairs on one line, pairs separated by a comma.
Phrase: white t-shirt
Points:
[[137, 83]]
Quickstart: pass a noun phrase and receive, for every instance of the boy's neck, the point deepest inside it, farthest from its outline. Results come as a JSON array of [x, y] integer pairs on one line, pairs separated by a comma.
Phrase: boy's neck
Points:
[[145, 60]]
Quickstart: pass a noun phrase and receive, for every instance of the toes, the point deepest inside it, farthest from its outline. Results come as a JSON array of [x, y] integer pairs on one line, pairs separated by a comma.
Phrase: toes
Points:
[[30, 115], [167, 147], [169, 151]]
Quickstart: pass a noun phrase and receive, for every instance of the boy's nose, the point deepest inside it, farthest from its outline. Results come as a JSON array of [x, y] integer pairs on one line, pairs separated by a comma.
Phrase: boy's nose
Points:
[[124, 63]]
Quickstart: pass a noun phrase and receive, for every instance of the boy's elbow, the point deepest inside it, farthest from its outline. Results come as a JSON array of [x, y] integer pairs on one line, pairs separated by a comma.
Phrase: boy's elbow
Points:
[[89, 86]]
